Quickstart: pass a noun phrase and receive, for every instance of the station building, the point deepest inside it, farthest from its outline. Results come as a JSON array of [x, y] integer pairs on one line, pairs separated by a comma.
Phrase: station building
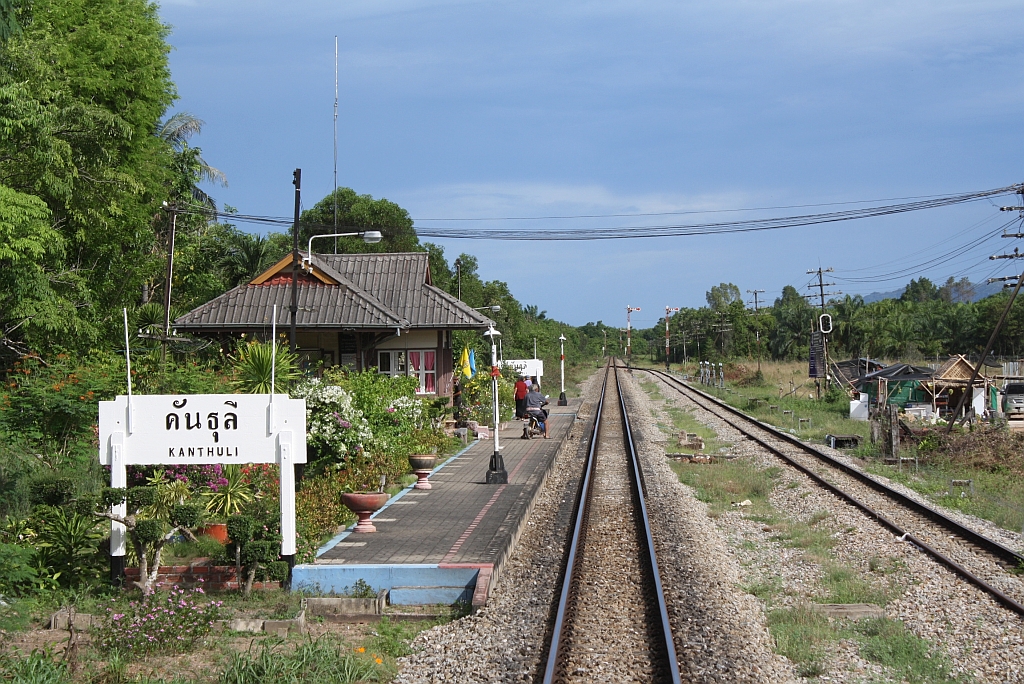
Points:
[[357, 310]]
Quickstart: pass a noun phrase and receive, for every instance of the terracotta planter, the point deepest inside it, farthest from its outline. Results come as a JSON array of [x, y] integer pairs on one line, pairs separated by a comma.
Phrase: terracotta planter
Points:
[[218, 531], [422, 464], [363, 504]]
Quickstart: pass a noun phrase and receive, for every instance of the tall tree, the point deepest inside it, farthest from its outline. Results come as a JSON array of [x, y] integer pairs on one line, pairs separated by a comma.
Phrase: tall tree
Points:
[[357, 213], [82, 88]]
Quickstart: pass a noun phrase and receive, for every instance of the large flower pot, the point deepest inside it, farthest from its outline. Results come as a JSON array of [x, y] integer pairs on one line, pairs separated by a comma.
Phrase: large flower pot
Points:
[[363, 504], [422, 464], [218, 531]]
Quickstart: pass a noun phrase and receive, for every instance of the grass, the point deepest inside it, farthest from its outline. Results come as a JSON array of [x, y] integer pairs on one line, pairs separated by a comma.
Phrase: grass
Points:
[[845, 585], [722, 483], [802, 635], [19, 614], [890, 643]]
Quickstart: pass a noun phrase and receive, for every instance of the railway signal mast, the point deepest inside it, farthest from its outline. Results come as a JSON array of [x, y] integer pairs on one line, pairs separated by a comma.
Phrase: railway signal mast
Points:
[[629, 329], [824, 321], [668, 310], [757, 330]]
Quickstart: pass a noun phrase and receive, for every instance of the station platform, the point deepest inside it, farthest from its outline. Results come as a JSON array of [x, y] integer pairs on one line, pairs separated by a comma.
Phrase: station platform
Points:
[[448, 543]]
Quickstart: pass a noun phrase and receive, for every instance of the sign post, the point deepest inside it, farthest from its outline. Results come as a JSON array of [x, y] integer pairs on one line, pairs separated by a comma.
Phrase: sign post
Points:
[[198, 429]]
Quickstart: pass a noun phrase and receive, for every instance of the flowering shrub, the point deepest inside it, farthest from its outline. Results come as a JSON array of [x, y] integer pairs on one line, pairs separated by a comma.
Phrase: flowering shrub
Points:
[[334, 426], [159, 623]]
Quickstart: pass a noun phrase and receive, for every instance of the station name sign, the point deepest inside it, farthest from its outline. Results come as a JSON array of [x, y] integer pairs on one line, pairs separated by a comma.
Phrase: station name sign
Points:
[[202, 428], [527, 367]]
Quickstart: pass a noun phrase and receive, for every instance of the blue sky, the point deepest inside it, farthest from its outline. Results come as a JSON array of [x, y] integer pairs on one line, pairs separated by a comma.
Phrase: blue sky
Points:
[[487, 109]]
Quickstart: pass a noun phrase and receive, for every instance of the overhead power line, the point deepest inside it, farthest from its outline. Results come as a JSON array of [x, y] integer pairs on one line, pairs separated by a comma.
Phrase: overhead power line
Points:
[[677, 230]]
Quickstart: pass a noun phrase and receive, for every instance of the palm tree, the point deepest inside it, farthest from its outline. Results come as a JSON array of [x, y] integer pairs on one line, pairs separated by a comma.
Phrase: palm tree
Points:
[[247, 258], [176, 131]]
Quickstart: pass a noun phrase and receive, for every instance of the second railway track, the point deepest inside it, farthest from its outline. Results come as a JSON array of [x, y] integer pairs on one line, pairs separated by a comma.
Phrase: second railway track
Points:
[[978, 559]]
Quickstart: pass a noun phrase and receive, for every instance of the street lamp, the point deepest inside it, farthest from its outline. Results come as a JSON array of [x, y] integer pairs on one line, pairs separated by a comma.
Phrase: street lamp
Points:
[[370, 237], [496, 473], [493, 308], [562, 401]]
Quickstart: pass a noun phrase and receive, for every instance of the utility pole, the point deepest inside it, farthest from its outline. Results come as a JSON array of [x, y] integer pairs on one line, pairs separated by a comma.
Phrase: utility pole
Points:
[[629, 347], [173, 208], [297, 182], [1002, 319], [667, 312], [458, 270], [721, 328], [822, 285], [824, 336], [755, 293], [604, 346], [757, 331]]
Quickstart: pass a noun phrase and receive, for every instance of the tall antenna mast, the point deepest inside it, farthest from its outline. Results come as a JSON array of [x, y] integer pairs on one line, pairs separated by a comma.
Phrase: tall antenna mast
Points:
[[335, 195]]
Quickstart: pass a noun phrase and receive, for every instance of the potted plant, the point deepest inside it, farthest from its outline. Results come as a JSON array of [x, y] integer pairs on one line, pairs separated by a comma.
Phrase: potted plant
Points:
[[224, 498], [422, 461], [364, 501]]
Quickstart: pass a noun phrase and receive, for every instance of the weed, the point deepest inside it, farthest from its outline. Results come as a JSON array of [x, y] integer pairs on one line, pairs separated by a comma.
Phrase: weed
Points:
[[844, 585], [764, 589], [800, 634], [801, 535], [890, 643], [392, 638], [721, 484], [319, 661], [38, 668], [793, 484], [818, 517]]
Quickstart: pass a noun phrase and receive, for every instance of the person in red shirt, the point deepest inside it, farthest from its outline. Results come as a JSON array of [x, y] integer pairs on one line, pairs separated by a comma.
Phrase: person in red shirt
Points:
[[521, 391]]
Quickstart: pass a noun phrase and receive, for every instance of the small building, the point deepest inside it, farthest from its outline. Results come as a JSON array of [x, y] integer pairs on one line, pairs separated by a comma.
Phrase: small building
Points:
[[950, 383], [358, 310], [898, 384]]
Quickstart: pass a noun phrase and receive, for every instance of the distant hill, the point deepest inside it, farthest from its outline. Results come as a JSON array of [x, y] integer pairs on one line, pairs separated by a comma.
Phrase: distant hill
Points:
[[981, 290]]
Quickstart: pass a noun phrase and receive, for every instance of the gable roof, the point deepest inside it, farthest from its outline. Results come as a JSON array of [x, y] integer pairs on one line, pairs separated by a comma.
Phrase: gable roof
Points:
[[899, 372], [340, 291]]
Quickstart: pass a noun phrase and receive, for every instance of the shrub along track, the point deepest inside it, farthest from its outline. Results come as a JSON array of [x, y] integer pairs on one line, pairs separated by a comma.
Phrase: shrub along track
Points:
[[976, 558], [611, 619]]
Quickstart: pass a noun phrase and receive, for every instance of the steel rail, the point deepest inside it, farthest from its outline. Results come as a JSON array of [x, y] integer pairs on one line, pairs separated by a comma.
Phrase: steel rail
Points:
[[983, 542], [574, 556]]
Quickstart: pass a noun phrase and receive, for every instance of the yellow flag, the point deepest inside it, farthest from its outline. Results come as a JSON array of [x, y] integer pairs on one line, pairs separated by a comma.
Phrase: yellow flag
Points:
[[464, 363]]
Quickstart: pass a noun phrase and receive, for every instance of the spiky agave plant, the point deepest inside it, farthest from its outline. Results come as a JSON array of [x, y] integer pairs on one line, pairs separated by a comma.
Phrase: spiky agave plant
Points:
[[253, 362]]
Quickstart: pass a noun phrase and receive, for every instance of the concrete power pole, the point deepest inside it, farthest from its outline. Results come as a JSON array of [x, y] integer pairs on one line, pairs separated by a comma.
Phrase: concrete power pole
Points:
[[824, 336], [757, 331]]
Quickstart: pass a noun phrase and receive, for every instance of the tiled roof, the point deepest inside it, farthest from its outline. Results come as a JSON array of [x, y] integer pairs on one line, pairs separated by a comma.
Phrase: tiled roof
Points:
[[373, 291]]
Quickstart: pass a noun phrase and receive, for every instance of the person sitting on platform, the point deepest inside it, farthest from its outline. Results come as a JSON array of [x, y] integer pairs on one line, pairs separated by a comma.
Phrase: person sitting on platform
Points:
[[535, 402]]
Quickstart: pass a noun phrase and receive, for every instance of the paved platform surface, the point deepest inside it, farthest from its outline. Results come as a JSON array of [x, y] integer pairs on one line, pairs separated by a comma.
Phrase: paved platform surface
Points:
[[461, 520]]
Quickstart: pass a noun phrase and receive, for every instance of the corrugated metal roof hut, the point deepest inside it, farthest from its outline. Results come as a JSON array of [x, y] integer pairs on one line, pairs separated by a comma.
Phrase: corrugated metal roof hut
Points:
[[359, 310], [899, 384]]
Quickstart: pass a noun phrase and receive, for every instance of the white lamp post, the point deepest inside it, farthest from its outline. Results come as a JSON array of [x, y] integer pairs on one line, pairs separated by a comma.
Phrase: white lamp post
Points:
[[370, 237], [496, 473], [562, 401]]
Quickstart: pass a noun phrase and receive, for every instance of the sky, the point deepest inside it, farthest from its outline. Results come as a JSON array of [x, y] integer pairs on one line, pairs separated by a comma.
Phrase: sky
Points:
[[491, 110]]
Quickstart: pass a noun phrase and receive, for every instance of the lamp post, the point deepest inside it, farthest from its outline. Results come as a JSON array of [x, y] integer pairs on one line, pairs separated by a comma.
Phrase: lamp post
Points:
[[496, 473], [668, 310], [562, 401], [458, 270]]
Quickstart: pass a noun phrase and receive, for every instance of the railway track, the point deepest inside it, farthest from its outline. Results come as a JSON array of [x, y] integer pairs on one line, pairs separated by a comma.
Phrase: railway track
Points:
[[611, 619], [978, 559]]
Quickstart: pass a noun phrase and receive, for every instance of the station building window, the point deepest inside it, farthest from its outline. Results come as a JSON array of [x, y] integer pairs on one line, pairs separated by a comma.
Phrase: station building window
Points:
[[419, 363]]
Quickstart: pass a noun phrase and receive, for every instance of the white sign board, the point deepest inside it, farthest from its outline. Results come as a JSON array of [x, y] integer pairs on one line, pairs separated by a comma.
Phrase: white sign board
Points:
[[204, 428], [527, 367]]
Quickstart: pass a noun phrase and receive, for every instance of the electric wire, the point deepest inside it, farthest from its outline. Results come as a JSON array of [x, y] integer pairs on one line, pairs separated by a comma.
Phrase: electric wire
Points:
[[588, 233]]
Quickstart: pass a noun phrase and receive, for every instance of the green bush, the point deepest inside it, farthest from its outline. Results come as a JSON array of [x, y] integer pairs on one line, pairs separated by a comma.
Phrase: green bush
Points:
[[50, 489], [17, 574], [38, 667], [275, 571], [68, 544], [241, 528]]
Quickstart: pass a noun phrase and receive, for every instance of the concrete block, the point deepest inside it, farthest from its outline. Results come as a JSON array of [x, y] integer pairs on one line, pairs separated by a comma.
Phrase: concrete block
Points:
[[347, 606], [59, 620], [244, 625], [850, 611]]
